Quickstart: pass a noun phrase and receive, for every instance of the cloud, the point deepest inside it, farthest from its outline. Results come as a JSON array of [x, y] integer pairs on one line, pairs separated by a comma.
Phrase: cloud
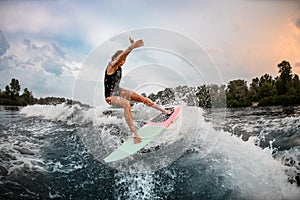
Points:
[[40, 55], [4, 45], [53, 68], [30, 17], [38, 82], [63, 20], [40, 66]]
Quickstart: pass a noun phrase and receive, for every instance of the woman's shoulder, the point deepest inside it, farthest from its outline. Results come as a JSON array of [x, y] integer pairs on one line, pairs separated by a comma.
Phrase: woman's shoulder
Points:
[[110, 69]]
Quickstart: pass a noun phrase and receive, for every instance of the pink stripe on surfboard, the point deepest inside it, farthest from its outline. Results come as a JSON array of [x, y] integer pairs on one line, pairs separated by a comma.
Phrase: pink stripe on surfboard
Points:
[[166, 123]]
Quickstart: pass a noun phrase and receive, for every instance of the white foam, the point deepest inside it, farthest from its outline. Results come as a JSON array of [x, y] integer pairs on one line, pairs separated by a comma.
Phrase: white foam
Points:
[[20, 161], [24, 149], [252, 169], [137, 186], [246, 166], [70, 113], [142, 186], [52, 112]]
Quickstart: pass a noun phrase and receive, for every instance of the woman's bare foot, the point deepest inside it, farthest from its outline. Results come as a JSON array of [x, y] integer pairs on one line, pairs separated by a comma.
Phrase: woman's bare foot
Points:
[[136, 139], [167, 112]]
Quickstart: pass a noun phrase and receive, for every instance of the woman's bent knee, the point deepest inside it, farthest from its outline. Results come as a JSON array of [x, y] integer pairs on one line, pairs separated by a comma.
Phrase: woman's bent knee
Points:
[[108, 100]]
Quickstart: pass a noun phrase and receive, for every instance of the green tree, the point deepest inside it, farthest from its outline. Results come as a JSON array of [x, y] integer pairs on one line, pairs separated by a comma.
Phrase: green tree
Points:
[[266, 86], [283, 82], [7, 91], [237, 94], [285, 71], [15, 87], [27, 97], [152, 96], [254, 89], [166, 96], [296, 83]]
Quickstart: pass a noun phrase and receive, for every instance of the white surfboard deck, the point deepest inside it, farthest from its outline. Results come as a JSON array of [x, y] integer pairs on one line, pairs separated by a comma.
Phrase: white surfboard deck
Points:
[[147, 133]]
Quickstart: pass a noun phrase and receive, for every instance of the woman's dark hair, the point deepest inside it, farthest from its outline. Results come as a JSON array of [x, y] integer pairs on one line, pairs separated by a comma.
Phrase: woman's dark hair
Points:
[[117, 53]]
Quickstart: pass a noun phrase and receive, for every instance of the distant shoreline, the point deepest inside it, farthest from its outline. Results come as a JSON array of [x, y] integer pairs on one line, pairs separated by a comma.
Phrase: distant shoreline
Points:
[[283, 90], [41, 101]]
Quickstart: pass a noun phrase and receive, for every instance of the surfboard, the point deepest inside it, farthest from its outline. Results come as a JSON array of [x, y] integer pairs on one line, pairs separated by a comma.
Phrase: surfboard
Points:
[[148, 132]]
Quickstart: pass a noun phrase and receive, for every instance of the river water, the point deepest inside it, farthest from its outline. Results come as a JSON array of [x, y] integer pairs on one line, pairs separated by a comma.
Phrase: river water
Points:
[[57, 152]]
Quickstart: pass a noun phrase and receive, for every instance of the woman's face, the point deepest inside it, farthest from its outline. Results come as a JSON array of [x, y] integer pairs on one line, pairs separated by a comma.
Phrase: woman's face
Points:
[[115, 56]]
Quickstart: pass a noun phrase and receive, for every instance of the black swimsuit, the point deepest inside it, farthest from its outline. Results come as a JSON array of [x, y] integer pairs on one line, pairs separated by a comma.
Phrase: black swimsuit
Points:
[[111, 83]]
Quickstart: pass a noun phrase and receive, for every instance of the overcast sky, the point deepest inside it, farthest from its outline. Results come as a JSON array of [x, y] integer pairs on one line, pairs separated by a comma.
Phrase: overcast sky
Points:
[[51, 42]]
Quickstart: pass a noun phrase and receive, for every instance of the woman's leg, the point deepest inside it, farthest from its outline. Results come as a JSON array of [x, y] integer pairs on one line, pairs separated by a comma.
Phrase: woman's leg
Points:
[[124, 103], [130, 95]]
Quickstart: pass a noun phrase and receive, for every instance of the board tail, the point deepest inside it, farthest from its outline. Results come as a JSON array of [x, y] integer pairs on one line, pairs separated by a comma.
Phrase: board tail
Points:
[[168, 121]]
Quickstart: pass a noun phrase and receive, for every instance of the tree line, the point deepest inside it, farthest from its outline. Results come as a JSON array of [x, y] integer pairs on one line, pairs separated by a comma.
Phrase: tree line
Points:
[[262, 91], [11, 96], [284, 90]]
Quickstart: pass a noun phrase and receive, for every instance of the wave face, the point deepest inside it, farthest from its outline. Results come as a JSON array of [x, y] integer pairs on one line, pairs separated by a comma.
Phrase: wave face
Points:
[[56, 152]]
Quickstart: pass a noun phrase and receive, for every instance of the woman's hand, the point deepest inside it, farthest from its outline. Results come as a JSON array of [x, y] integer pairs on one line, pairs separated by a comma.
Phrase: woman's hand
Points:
[[131, 40], [135, 44]]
